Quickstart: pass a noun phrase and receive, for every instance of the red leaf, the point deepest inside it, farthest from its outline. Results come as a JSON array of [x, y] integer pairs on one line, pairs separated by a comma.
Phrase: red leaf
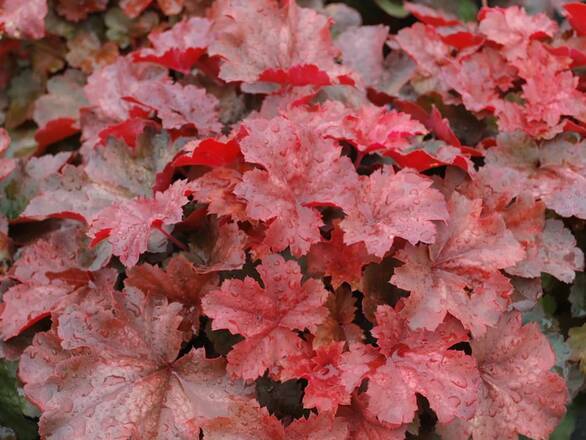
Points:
[[463, 40], [302, 75], [178, 48], [431, 16], [578, 56], [57, 112], [209, 152], [419, 160], [127, 131], [441, 128], [100, 236], [55, 131], [576, 15], [578, 128]]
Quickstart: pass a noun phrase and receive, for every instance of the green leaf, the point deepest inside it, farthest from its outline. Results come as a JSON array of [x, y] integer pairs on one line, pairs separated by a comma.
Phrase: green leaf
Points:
[[391, 8], [549, 304], [467, 10], [566, 427], [577, 342], [578, 296], [13, 405]]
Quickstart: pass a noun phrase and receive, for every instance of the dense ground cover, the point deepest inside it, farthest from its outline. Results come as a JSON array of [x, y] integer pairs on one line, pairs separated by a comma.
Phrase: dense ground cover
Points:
[[261, 219]]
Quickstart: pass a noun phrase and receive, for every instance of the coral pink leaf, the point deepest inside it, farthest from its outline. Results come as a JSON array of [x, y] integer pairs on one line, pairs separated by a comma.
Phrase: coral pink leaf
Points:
[[374, 128], [519, 393], [390, 205], [364, 425], [267, 316], [553, 252], [25, 305], [51, 272], [245, 422], [459, 273], [554, 172], [131, 223], [120, 356], [133, 8], [343, 263], [302, 171], [178, 281], [514, 28], [277, 52], [322, 426], [362, 51], [421, 362], [179, 106], [216, 188], [331, 375], [23, 19]]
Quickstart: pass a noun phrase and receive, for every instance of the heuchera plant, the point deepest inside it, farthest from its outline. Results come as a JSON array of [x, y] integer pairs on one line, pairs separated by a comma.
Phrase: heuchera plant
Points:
[[201, 204]]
